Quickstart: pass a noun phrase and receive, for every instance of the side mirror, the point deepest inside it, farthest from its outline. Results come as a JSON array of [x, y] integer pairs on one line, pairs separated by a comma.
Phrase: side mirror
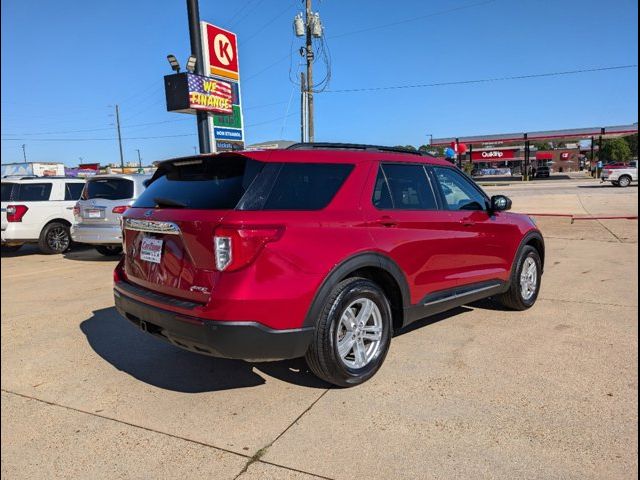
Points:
[[500, 203], [146, 182]]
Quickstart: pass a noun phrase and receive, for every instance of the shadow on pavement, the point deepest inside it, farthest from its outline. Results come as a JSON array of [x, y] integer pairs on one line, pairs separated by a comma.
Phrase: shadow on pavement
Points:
[[604, 185], [32, 249], [425, 322], [86, 253], [165, 366]]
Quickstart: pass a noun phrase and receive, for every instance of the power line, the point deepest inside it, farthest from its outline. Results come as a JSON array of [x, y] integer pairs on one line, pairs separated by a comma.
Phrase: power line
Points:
[[413, 19], [483, 80], [259, 30]]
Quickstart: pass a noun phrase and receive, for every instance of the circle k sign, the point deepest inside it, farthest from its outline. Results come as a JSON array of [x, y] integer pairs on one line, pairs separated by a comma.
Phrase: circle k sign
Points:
[[222, 47]]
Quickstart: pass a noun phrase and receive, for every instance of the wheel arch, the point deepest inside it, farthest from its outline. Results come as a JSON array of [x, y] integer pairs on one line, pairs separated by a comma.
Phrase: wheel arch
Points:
[[371, 265], [534, 239], [54, 220]]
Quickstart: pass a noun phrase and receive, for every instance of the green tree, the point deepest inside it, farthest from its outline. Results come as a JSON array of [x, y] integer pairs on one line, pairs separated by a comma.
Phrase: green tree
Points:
[[542, 145], [632, 141], [615, 150]]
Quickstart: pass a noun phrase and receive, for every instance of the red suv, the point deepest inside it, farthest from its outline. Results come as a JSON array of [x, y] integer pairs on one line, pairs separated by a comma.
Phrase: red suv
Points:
[[319, 250]]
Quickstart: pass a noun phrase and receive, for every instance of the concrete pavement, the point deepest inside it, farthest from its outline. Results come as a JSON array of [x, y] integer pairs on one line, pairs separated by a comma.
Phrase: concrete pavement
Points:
[[478, 392]]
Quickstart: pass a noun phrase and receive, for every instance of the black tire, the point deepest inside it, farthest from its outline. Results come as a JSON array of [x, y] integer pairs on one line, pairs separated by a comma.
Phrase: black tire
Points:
[[513, 298], [11, 248], [54, 238], [624, 181], [109, 250], [323, 358]]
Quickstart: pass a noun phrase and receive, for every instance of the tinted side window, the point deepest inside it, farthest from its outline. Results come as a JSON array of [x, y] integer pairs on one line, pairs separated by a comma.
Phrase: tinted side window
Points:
[[381, 194], [108, 188], [409, 186], [72, 191], [458, 191], [32, 192], [7, 188], [306, 186]]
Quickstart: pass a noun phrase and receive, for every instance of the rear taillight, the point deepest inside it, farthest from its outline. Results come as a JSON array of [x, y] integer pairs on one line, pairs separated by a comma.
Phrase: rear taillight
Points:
[[16, 212], [119, 209], [237, 247]]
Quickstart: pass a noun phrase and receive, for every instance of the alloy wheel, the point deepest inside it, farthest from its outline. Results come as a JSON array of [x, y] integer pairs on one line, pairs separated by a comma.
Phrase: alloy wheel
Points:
[[359, 333], [528, 278]]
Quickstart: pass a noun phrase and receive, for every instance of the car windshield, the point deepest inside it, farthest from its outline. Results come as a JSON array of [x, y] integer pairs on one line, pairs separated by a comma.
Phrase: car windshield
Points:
[[108, 188]]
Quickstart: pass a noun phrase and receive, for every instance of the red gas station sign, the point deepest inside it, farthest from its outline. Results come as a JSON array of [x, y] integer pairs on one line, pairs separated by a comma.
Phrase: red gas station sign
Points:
[[223, 52], [493, 155]]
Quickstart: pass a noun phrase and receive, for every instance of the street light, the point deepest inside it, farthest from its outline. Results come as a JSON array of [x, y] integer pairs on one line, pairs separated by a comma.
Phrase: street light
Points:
[[173, 61], [191, 64]]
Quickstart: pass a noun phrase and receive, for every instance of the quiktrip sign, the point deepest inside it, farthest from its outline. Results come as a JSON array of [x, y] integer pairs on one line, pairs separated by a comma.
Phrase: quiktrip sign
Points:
[[493, 155]]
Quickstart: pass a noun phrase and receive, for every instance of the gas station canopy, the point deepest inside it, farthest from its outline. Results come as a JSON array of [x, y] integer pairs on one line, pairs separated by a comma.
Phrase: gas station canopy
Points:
[[569, 134]]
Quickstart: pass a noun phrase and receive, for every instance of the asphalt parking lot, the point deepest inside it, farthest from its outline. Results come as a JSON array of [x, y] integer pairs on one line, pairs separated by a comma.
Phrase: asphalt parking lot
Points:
[[477, 392]]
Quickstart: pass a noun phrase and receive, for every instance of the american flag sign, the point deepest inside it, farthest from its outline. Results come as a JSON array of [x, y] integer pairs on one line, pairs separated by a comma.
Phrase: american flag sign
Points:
[[210, 95]]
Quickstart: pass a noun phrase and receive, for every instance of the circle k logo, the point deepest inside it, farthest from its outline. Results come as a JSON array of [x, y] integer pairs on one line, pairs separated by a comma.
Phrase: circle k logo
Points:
[[222, 48]]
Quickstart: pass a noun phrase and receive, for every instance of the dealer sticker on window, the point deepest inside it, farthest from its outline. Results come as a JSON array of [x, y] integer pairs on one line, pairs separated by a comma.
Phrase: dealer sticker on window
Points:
[[151, 250]]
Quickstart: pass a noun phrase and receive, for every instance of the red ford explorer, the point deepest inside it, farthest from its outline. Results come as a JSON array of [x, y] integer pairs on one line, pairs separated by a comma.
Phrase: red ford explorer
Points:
[[319, 250]]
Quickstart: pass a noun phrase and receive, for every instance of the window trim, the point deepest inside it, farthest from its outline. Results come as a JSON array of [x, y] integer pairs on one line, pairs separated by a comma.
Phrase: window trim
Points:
[[436, 196], [443, 198]]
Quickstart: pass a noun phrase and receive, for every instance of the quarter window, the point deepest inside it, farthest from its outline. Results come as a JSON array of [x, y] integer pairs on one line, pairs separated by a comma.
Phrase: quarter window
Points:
[[403, 187], [459, 193], [72, 191]]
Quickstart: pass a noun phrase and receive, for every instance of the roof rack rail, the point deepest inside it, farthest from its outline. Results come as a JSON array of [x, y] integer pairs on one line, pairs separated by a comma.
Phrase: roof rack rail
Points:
[[354, 146]]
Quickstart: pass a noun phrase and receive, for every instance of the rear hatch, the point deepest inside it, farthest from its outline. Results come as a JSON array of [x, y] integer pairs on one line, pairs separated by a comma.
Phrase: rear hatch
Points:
[[104, 199], [168, 233]]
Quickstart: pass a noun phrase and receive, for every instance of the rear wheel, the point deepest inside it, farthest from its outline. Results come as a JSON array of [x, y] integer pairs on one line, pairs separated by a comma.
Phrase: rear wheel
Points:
[[525, 281], [352, 335], [624, 181], [11, 248], [109, 250], [54, 238]]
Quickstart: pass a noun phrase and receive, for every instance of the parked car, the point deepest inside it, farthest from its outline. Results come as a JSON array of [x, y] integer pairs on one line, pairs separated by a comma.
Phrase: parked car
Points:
[[38, 210], [543, 171], [620, 177], [319, 250], [98, 212]]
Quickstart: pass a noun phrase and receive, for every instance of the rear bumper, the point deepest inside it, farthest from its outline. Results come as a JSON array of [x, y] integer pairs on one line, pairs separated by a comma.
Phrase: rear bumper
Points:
[[97, 234], [237, 340]]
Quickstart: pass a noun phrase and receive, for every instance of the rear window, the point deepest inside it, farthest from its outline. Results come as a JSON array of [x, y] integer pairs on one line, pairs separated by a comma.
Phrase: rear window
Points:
[[6, 191], [244, 184], [108, 188], [26, 192], [216, 184]]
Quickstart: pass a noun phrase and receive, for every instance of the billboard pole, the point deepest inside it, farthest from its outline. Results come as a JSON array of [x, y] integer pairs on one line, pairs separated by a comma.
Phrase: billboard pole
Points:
[[193, 13]]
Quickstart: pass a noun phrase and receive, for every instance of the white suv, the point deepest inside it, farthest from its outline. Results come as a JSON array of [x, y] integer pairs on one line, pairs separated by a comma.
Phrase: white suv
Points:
[[38, 210]]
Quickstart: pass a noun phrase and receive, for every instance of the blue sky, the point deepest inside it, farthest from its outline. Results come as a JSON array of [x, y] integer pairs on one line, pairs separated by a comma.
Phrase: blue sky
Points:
[[65, 62]]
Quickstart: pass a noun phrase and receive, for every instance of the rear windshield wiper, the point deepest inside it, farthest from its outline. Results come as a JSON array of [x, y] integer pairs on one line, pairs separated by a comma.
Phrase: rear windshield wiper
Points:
[[167, 202]]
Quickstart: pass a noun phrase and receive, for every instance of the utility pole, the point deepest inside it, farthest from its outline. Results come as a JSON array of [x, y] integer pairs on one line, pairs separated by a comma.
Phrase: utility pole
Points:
[[303, 109], [24, 152], [202, 118], [119, 137], [309, 52], [139, 158]]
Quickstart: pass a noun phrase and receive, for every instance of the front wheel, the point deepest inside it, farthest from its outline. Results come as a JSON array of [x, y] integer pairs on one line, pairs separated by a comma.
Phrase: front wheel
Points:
[[109, 250], [352, 335], [525, 281], [54, 238]]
